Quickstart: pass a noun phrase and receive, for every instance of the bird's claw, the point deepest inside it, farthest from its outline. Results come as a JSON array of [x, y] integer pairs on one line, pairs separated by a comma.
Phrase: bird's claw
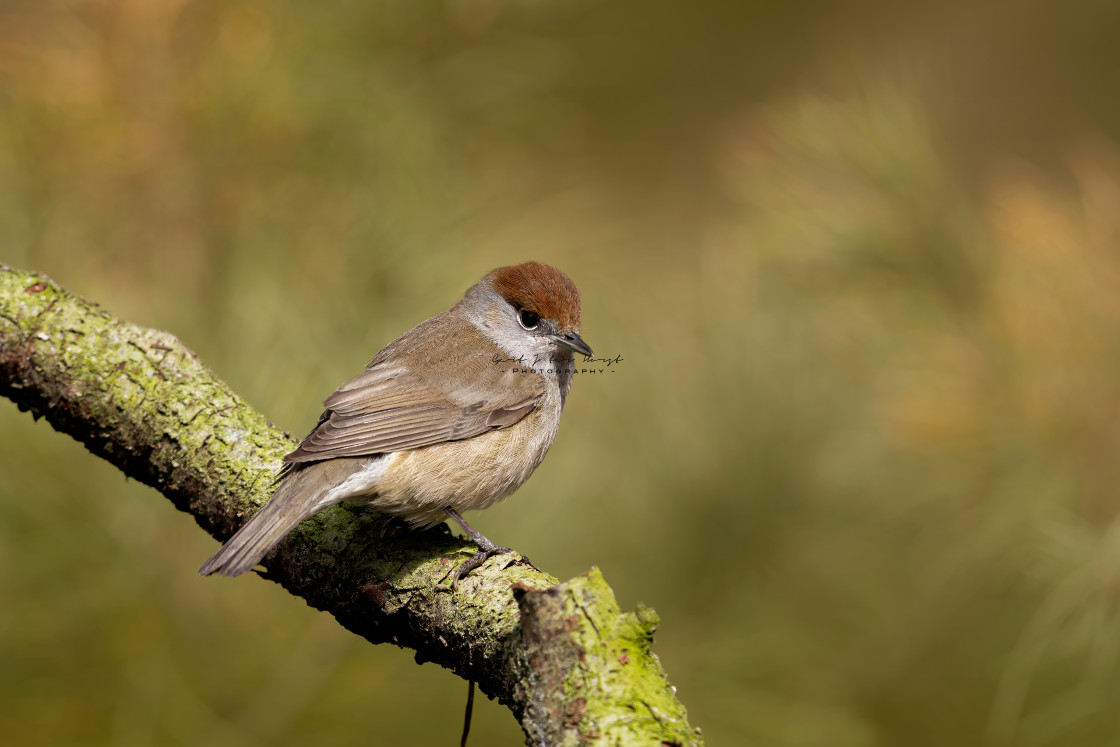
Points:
[[486, 548], [480, 557]]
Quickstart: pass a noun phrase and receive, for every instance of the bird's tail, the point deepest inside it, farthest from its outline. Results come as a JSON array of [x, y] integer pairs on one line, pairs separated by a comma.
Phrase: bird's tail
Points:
[[298, 496]]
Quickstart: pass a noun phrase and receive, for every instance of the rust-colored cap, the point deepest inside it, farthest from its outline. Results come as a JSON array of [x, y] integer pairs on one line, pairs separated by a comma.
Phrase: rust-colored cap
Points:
[[546, 291]]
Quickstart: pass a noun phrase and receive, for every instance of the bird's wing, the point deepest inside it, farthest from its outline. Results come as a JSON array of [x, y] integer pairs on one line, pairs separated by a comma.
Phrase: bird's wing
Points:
[[461, 388]]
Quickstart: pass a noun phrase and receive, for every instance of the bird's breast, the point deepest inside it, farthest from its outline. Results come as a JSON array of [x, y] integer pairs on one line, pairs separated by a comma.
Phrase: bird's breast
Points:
[[470, 474]]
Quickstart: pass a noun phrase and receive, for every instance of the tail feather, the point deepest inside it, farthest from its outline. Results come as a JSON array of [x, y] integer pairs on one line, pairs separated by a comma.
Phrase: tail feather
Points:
[[293, 501]]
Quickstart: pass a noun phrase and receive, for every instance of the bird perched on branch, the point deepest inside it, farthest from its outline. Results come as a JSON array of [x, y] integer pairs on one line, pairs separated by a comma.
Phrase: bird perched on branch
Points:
[[451, 416]]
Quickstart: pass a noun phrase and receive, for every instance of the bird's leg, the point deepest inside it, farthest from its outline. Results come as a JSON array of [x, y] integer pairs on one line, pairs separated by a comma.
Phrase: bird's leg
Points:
[[486, 548]]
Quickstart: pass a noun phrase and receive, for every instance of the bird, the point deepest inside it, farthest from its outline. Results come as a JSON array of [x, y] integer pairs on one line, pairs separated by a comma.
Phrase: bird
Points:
[[453, 415]]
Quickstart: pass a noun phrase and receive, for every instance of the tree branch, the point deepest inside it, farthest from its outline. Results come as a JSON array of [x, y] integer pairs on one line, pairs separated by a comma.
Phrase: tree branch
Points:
[[572, 667]]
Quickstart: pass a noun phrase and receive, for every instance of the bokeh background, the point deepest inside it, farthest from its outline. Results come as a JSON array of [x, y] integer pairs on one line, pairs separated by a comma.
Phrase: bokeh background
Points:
[[861, 261]]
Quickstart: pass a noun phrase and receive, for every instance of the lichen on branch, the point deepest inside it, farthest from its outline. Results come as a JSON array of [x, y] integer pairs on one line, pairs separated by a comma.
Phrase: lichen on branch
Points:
[[571, 666]]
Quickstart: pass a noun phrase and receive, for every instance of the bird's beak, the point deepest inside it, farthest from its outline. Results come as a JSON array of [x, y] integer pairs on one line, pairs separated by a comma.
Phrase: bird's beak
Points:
[[573, 341]]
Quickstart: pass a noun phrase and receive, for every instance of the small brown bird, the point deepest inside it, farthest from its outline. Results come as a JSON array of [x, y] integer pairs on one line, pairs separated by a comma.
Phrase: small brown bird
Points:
[[451, 416]]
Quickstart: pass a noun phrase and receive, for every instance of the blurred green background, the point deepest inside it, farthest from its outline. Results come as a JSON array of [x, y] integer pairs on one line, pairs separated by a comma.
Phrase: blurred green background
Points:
[[861, 261]]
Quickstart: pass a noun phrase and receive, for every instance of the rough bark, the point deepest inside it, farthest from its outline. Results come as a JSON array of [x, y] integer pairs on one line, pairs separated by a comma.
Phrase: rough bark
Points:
[[571, 666]]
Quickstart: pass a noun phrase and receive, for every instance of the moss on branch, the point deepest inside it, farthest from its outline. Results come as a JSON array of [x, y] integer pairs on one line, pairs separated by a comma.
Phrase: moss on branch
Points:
[[571, 666]]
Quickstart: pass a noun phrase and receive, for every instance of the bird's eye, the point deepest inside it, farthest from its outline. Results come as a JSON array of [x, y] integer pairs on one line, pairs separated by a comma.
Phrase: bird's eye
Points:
[[528, 319]]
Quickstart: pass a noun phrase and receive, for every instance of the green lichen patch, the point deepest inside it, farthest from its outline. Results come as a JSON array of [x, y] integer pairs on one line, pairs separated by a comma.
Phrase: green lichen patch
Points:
[[135, 396], [616, 691], [572, 666]]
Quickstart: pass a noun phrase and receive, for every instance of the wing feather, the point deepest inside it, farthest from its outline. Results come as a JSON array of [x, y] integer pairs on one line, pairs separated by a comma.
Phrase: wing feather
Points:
[[390, 407]]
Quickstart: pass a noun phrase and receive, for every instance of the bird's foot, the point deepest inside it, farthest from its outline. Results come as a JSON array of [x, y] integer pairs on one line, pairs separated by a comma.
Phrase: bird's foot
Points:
[[486, 548], [474, 561]]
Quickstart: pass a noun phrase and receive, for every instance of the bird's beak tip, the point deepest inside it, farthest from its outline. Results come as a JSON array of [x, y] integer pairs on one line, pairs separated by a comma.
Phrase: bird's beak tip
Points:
[[575, 342]]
